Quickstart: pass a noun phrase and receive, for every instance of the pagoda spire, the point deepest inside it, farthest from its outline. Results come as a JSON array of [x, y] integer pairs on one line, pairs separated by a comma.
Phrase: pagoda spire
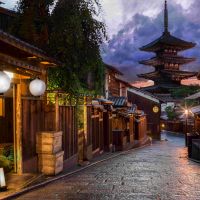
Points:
[[166, 18]]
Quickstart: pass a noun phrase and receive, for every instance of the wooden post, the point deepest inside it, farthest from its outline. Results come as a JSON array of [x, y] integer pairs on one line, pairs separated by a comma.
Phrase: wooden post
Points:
[[18, 129], [14, 128], [57, 112], [85, 120]]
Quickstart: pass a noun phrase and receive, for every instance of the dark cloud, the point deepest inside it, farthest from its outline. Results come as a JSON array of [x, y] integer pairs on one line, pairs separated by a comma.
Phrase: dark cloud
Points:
[[123, 49]]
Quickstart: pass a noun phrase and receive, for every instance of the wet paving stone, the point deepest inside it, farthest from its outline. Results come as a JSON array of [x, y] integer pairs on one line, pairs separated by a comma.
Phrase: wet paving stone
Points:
[[158, 172]]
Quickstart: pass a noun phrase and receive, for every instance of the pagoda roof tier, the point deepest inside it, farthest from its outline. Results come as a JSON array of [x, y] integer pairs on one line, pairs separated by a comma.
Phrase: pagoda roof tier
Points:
[[167, 41], [174, 75], [157, 88], [155, 61], [152, 75], [177, 75], [160, 88]]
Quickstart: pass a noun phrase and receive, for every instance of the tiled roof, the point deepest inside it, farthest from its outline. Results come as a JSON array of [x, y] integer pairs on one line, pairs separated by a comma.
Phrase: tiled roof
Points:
[[112, 68], [15, 42], [195, 109], [145, 94], [167, 39], [163, 59], [132, 109], [8, 12], [119, 101], [194, 96]]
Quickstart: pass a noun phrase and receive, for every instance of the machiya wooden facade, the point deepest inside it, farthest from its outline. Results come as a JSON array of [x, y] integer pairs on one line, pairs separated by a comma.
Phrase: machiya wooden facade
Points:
[[129, 123], [22, 115], [167, 61], [152, 108], [114, 87]]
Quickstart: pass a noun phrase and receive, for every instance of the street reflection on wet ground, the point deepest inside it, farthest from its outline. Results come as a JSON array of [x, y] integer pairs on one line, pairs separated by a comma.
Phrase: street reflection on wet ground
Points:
[[160, 171]]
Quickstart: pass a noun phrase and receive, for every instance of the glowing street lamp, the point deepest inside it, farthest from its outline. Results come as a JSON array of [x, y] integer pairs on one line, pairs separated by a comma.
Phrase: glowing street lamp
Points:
[[5, 82], [37, 87], [3, 186], [186, 112]]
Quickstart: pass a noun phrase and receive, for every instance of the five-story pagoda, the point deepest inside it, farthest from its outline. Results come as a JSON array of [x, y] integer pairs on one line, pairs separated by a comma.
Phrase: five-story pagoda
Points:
[[167, 62]]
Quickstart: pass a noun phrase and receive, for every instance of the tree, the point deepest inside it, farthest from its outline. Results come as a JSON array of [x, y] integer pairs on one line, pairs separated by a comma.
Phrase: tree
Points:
[[76, 36], [171, 114], [184, 91], [32, 22]]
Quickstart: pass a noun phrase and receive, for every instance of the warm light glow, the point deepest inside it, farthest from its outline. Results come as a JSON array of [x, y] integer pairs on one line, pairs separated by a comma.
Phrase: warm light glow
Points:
[[37, 87], [32, 57], [2, 179], [45, 63], [190, 81], [141, 84], [186, 112], [5, 82], [10, 74], [156, 109], [163, 125], [1, 107]]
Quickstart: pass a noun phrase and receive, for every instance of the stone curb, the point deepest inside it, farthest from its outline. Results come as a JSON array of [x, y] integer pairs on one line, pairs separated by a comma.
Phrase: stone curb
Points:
[[28, 189], [193, 160]]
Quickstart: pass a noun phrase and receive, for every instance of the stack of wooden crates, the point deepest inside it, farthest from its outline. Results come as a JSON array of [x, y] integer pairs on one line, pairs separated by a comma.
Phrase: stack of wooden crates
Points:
[[50, 154]]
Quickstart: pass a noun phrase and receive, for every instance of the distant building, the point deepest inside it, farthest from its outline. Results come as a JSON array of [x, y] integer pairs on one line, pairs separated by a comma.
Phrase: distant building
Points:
[[113, 87], [123, 94], [167, 62]]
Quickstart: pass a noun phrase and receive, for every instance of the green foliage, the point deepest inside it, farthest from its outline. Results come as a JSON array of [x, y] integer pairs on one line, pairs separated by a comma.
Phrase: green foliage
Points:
[[80, 116], [75, 40], [184, 91], [72, 34], [171, 114], [7, 159]]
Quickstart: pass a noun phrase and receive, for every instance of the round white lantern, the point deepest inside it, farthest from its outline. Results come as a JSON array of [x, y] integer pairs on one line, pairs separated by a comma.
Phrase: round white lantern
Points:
[[37, 87], [5, 82]]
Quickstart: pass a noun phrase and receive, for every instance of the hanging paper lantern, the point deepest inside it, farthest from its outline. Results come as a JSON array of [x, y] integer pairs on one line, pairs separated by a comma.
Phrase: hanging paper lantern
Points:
[[3, 186], [37, 87], [5, 82]]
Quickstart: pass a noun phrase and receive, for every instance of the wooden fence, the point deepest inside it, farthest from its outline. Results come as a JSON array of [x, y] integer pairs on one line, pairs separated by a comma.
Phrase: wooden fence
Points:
[[98, 136], [33, 115], [36, 117]]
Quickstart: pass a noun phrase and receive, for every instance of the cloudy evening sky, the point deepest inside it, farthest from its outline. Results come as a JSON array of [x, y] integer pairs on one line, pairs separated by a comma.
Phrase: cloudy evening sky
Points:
[[134, 23]]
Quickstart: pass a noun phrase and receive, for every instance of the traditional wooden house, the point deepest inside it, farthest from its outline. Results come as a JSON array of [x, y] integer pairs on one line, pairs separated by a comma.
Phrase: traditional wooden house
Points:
[[151, 105], [123, 123], [23, 115], [96, 136], [113, 86], [129, 124]]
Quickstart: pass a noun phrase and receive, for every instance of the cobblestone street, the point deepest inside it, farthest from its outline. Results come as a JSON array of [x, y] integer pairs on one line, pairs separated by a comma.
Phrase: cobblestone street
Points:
[[161, 171]]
